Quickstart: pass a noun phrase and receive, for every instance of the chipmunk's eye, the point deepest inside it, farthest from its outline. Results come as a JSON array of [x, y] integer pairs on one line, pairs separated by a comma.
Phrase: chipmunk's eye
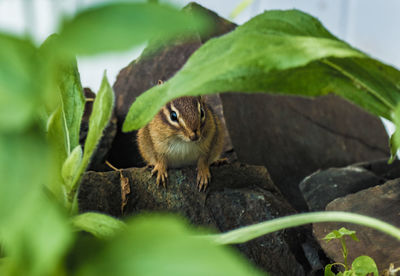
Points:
[[173, 116], [202, 113]]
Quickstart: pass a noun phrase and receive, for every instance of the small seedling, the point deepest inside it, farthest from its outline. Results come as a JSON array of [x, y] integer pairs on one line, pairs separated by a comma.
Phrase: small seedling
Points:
[[361, 266], [392, 271]]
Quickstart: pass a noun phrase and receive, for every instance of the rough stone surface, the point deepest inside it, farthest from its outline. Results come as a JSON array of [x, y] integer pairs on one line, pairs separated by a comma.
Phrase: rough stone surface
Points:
[[238, 195], [100, 155], [219, 25], [145, 72], [324, 186], [381, 202], [294, 137], [381, 168]]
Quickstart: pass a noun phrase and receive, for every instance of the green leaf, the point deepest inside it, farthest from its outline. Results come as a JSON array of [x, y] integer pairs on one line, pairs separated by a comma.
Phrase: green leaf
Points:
[[394, 146], [64, 123], [364, 265], [337, 234], [64, 72], [395, 138], [100, 117], [57, 135], [164, 245], [73, 100], [40, 239], [20, 80], [276, 52], [71, 166], [332, 235], [21, 161], [120, 26], [328, 270], [33, 230], [100, 225]]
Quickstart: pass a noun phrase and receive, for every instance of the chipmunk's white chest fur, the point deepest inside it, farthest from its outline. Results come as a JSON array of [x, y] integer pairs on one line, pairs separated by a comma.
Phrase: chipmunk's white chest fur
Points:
[[181, 153]]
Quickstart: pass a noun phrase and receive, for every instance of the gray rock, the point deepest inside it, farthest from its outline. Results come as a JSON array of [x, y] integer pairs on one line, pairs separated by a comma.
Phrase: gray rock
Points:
[[381, 168], [294, 136], [322, 187], [238, 195], [381, 202]]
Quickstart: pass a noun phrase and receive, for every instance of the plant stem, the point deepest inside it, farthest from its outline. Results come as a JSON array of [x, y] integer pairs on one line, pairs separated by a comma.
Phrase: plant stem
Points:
[[345, 252], [247, 233], [112, 167]]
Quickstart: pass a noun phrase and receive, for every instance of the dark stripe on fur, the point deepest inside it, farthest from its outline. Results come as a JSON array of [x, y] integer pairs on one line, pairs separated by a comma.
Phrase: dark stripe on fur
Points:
[[166, 120]]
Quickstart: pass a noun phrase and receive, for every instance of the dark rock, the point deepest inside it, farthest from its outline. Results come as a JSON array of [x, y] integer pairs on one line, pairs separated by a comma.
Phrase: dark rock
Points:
[[89, 96], [145, 72], [100, 155], [381, 202], [313, 254], [322, 187], [382, 169], [219, 25], [238, 195], [294, 136]]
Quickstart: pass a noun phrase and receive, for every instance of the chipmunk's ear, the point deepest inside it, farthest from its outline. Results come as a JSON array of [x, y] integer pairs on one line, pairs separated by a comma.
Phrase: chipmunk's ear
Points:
[[160, 82]]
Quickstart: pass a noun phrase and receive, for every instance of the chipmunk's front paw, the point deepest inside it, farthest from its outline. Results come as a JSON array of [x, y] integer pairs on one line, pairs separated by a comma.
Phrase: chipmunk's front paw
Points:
[[162, 174], [203, 178], [220, 162]]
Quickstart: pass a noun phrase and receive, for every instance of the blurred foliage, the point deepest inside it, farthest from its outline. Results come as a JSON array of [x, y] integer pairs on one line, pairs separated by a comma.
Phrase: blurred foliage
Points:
[[164, 245], [99, 225], [20, 81], [243, 5], [41, 107], [118, 27]]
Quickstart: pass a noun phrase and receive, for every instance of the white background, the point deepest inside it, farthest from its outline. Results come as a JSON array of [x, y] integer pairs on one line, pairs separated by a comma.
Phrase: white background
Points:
[[370, 25]]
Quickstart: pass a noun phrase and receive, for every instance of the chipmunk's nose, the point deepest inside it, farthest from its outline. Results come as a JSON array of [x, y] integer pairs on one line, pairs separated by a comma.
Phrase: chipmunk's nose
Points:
[[194, 136]]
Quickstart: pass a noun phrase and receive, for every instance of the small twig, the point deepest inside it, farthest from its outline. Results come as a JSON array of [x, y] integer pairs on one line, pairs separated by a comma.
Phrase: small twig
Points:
[[112, 167], [125, 187]]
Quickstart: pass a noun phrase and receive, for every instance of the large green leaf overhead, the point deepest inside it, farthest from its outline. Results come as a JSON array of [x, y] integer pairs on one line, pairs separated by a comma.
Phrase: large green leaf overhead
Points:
[[277, 52], [122, 25]]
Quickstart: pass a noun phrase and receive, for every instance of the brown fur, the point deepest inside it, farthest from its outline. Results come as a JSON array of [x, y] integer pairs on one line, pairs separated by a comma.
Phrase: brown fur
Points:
[[165, 144]]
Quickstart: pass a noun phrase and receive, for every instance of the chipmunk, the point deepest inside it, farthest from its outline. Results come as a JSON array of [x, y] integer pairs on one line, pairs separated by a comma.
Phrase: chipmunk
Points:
[[185, 132]]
